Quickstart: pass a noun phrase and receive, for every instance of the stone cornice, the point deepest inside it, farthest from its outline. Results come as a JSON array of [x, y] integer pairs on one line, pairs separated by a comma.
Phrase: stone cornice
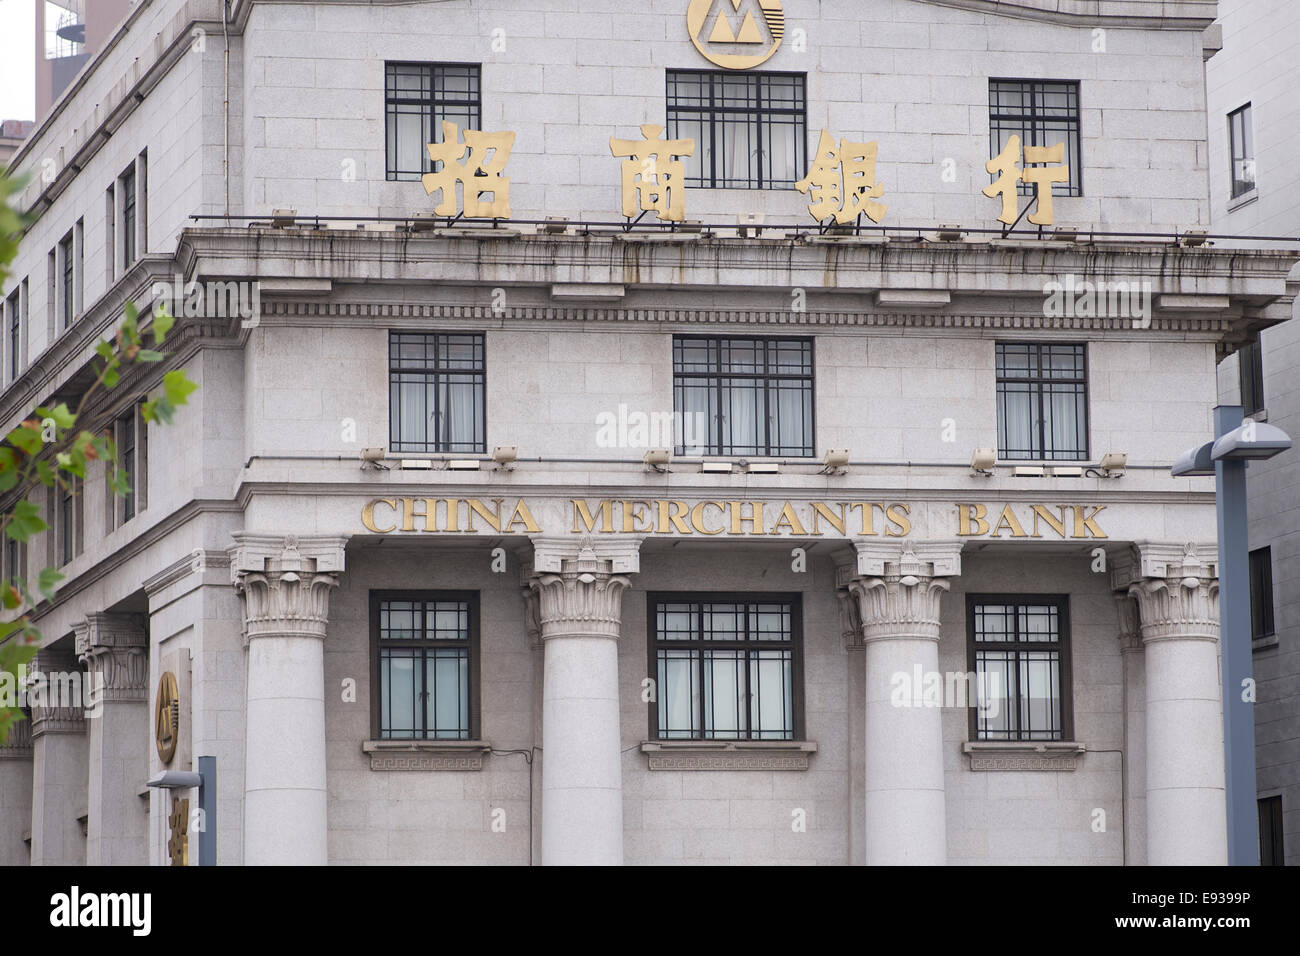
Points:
[[1151, 14]]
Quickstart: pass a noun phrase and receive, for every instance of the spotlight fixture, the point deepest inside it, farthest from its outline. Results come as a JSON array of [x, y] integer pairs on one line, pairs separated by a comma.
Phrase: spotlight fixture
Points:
[[949, 233], [462, 464], [373, 458], [1113, 464], [283, 218], [504, 456], [1195, 237], [1065, 234], [982, 462], [836, 461], [423, 221], [658, 458], [556, 225], [746, 221]]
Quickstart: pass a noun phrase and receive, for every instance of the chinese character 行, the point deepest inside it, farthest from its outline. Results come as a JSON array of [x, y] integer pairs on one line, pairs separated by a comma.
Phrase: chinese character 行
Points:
[[1004, 166]]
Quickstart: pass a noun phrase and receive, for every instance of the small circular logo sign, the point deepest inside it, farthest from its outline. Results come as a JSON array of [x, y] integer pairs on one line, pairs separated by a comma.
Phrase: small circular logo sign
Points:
[[167, 717], [736, 34]]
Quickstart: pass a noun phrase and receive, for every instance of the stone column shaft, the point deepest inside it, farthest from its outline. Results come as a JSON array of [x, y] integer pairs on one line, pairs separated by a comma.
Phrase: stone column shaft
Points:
[[59, 759]]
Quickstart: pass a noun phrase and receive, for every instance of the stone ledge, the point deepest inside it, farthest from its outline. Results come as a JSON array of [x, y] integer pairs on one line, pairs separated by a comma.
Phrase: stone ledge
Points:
[[426, 754], [1023, 754], [728, 754]]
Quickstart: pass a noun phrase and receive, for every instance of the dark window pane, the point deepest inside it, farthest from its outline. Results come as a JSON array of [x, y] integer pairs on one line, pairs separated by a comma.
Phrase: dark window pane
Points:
[[418, 97], [1042, 402], [1017, 653], [1041, 113], [437, 401]]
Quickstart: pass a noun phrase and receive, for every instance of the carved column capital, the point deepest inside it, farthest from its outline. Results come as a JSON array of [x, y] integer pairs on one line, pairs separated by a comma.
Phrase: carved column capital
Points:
[[582, 598], [897, 591], [56, 692], [19, 744], [1130, 631], [115, 651], [285, 582], [1178, 595]]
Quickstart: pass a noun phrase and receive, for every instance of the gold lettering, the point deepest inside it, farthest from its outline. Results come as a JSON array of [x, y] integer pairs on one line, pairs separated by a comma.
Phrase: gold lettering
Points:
[[868, 516], [697, 517], [675, 517], [409, 514], [968, 513], [368, 515], [789, 517], [477, 507], [605, 510], [897, 514], [1084, 523], [453, 514], [755, 520], [523, 516], [631, 516], [821, 511], [1058, 526], [1012, 524]]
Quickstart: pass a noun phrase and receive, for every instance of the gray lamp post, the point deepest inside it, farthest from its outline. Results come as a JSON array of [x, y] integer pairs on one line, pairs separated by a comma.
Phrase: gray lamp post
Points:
[[1235, 444], [206, 781]]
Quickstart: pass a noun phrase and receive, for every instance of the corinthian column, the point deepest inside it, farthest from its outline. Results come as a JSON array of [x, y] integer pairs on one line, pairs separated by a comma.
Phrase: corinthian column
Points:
[[898, 593], [114, 649], [285, 583], [1177, 594], [579, 608]]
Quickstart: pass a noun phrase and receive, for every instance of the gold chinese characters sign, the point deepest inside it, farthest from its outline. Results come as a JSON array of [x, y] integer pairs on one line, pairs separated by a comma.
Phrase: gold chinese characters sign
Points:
[[166, 717], [728, 517], [736, 34]]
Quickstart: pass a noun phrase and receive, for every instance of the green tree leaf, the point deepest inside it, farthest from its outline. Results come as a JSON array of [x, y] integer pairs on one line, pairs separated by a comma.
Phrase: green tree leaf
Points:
[[26, 521]]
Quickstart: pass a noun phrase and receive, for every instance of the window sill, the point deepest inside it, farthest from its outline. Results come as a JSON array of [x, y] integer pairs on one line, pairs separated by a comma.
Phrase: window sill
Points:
[[426, 754], [1245, 199], [728, 754], [1258, 415], [1023, 754], [1264, 643]]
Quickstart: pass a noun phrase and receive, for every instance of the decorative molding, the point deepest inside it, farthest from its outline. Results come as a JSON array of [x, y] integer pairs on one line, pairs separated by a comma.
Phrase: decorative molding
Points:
[[47, 719], [115, 651], [850, 620], [285, 582], [426, 754], [1023, 755], [901, 598], [196, 562], [19, 744], [585, 597], [1177, 599], [1130, 630], [728, 755], [1119, 14]]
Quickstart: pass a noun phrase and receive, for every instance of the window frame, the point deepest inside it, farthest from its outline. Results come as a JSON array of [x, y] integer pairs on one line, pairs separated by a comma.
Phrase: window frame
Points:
[[1247, 118], [1083, 454], [1262, 601], [472, 597], [799, 730], [13, 334], [67, 281], [1272, 823], [711, 114], [714, 377], [130, 209], [1034, 122], [1250, 375], [1064, 645], [438, 446], [123, 509], [432, 110]]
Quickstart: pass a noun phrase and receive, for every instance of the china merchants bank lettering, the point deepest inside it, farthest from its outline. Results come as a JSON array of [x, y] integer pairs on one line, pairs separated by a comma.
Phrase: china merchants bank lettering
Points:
[[725, 517]]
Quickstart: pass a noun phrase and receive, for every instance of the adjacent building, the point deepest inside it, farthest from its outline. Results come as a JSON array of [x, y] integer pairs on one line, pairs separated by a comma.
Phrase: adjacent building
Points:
[[553, 496]]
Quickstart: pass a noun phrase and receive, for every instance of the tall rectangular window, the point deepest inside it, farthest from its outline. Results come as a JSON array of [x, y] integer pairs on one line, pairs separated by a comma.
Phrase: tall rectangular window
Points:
[[68, 521], [1042, 402], [126, 186], [1272, 851], [129, 432], [743, 395], [1250, 366], [1019, 650], [15, 563], [436, 392], [1041, 113], [110, 234], [750, 129], [1261, 593], [727, 666], [418, 97], [1241, 141], [425, 665], [13, 326], [67, 275]]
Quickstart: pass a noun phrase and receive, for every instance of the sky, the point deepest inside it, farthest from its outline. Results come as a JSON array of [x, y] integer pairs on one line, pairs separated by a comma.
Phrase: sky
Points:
[[17, 48]]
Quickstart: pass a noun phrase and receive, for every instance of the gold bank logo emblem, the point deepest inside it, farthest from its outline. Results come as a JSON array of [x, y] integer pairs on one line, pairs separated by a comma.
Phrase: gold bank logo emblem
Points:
[[736, 34]]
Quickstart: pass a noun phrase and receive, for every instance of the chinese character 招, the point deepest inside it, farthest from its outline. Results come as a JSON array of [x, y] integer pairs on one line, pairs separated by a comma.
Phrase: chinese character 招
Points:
[[843, 181], [479, 175], [1004, 166], [654, 179]]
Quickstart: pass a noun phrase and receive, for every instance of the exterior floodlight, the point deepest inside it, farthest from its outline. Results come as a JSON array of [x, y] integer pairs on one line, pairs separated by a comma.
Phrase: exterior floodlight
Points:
[[505, 454], [835, 460], [658, 458], [283, 218], [1195, 237], [983, 461], [556, 225], [372, 454], [1195, 462], [1252, 441], [949, 233], [175, 780], [1113, 464]]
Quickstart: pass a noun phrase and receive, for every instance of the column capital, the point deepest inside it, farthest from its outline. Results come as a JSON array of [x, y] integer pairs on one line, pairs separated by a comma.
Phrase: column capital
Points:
[[1154, 559], [582, 596], [285, 581], [1130, 630], [55, 693], [115, 651], [19, 744], [623, 552], [1177, 593], [898, 588]]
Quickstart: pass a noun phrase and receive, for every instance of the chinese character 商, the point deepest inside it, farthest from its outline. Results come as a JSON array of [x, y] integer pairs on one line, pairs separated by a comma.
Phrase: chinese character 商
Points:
[[654, 179]]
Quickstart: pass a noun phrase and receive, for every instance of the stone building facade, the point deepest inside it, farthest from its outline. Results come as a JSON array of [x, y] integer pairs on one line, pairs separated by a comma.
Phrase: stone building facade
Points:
[[430, 585]]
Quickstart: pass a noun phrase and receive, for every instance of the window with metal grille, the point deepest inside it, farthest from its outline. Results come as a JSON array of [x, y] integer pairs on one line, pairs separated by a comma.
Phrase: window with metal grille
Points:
[[436, 392], [1250, 365], [1272, 851], [1042, 402], [13, 316], [750, 129], [1020, 654], [126, 186], [743, 396], [417, 98], [726, 667], [67, 297], [1261, 593], [68, 520], [1041, 113], [1241, 139], [425, 665]]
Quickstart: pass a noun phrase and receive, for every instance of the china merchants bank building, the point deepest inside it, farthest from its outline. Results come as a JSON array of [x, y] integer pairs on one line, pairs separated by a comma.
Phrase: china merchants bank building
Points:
[[736, 651]]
